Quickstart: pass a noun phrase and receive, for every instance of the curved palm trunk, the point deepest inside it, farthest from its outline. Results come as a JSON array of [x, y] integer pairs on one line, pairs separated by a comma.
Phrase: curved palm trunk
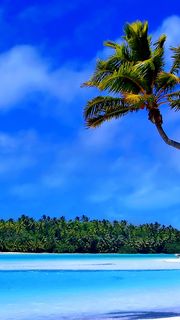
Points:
[[164, 136], [156, 118]]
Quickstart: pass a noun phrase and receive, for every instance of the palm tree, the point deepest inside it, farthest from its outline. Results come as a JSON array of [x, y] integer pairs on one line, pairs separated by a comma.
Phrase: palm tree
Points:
[[135, 76]]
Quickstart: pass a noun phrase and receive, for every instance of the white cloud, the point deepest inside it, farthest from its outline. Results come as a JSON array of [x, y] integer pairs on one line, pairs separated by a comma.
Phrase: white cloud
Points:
[[81, 156], [170, 27], [65, 83], [9, 143], [19, 153], [154, 198], [23, 71], [67, 164], [25, 190], [137, 184], [46, 11], [101, 138]]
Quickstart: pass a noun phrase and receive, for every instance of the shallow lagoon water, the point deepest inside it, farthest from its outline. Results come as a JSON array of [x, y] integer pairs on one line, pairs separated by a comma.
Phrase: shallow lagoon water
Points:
[[87, 294]]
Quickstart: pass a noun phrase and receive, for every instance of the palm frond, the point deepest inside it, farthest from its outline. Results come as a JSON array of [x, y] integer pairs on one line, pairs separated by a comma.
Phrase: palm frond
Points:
[[136, 36], [139, 100], [150, 68], [102, 71], [101, 109], [174, 94], [106, 67], [133, 98], [159, 44], [121, 51], [176, 60], [158, 54], [166, 81], [146, 70], [174, 100], [125, 79], [112, 44]]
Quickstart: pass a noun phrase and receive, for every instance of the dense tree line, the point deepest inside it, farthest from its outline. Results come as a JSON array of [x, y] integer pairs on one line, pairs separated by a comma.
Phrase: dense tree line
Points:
[[83, 235]]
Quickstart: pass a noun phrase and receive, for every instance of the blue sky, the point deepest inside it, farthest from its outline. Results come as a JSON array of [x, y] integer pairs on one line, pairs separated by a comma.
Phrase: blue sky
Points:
[[49, 163]]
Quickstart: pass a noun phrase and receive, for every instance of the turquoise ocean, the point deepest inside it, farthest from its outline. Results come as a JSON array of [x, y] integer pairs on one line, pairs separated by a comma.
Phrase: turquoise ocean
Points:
[[86, 294]]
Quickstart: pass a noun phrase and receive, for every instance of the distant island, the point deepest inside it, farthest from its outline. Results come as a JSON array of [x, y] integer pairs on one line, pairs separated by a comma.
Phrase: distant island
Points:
[[82, 235]]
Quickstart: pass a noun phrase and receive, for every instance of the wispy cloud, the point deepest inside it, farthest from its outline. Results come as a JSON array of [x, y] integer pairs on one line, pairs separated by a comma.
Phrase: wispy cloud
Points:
[[170, 27], [21, 72], [23, 153], [24, 71], [136, 185], [47, 11]]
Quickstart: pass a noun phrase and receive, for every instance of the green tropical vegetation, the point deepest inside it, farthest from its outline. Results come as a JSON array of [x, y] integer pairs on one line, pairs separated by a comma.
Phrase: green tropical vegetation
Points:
[[86, 236], [135, 76]]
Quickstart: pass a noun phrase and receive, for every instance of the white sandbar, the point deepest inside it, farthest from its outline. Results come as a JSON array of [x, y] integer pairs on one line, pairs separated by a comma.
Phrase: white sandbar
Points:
[[80, 264], [174, 318]]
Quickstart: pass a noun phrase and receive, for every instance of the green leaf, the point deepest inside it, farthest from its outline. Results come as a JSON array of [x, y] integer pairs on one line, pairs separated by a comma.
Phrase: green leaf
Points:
[[125, 79], [138, 41], [174, 101], [102, 109], [166, 81], [176, 60]]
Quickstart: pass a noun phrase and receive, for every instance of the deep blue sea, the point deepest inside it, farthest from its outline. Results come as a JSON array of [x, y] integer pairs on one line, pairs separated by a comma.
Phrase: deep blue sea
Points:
[[87, 294]]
